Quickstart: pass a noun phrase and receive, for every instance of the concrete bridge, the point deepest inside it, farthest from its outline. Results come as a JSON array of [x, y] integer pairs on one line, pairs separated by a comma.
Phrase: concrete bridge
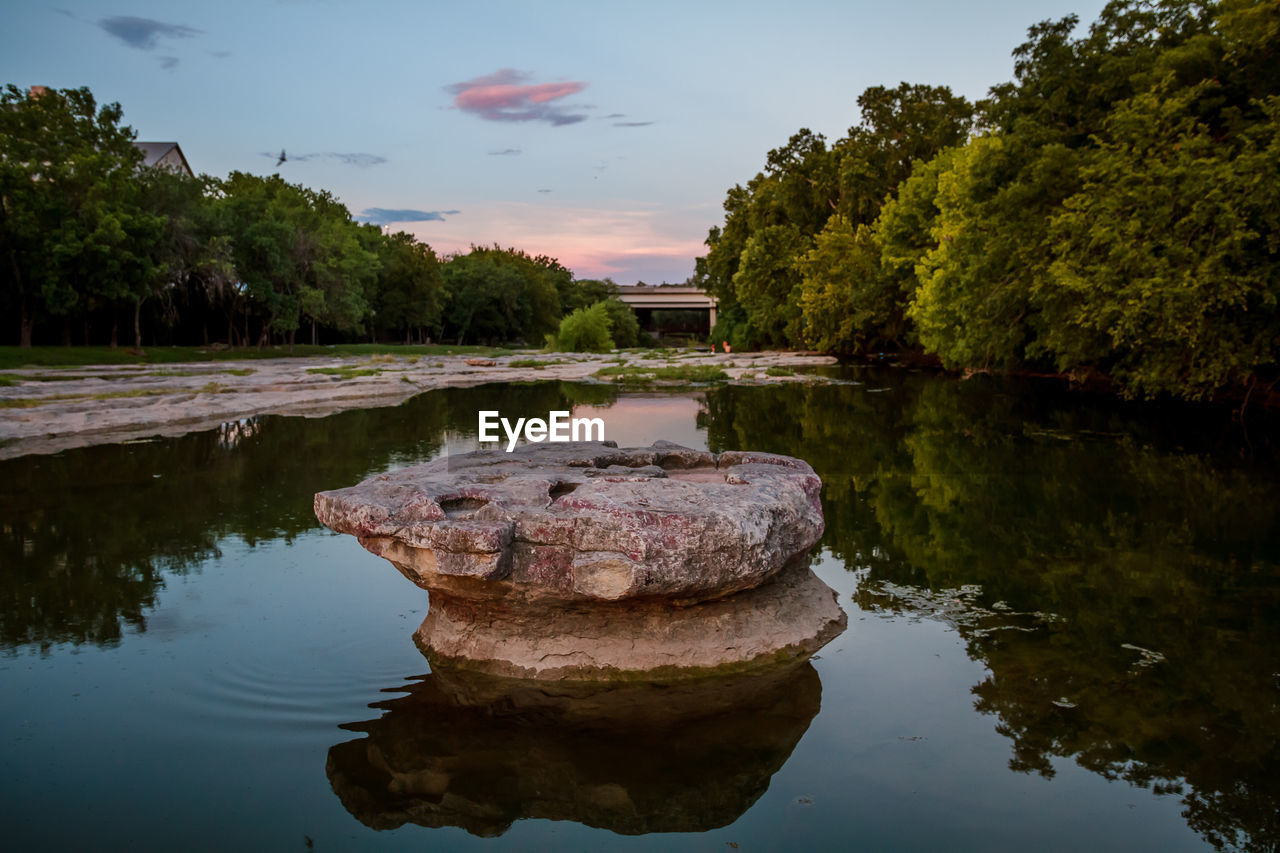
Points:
[[646, 297]]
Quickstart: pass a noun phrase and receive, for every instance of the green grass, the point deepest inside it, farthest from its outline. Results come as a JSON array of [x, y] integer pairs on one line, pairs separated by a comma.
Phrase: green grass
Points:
[[779, 371], [11, 357], [59, 377], [29, 403], [346, 372], [679, 373], [112, 395], [536, 363], [234, 371]]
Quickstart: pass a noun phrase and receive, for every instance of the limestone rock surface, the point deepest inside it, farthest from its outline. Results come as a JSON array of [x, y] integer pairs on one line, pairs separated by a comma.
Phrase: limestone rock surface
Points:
[[586, 521]]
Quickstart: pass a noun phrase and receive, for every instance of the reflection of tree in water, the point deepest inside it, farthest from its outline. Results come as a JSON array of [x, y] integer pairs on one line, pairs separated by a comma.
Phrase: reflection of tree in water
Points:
[[87, 536], [1146, 535]]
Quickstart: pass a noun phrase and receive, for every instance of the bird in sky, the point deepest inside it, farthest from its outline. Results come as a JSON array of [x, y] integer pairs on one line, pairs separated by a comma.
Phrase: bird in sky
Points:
[[282, 158]]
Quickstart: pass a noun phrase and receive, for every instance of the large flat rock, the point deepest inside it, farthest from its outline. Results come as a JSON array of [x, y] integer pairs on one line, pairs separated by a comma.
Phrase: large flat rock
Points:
[[586, 521]]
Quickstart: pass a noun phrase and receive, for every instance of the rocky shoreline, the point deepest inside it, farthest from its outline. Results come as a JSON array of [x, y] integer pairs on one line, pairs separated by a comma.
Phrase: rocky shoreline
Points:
[[48, 410]]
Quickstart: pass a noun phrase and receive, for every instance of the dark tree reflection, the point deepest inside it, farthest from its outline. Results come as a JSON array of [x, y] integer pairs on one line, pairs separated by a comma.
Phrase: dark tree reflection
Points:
[[1147, 541]]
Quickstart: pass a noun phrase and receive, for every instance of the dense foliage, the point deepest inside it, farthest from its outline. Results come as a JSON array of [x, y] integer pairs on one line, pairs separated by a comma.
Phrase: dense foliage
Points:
[[583, 330], [1112, 210], [89, 239]]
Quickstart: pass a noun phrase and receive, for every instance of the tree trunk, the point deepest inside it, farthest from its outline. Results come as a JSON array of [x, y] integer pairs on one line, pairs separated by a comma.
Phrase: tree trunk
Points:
[[313, 333], [26, 320], [24, 336], [66, 332], [137, 323], [115, 332], [86, 331], [292, 333]]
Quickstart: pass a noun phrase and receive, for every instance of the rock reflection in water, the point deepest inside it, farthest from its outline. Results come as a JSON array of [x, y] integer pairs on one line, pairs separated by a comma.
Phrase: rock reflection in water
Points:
[[788, 617], [479, 752]]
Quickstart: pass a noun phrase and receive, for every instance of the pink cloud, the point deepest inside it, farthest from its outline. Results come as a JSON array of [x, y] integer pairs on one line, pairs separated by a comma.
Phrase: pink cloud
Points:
[[627, 243], [502, 96]]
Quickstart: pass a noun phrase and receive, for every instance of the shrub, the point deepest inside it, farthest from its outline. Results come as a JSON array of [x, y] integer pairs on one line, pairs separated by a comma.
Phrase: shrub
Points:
[[585, 330]]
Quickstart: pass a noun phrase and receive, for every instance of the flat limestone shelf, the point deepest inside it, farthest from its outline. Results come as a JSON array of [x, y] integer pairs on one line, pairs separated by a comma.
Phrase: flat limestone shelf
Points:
[[586, 521]]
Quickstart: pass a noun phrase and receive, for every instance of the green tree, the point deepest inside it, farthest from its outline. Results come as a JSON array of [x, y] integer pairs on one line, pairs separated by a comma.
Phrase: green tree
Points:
[[485, 299], [545, 279], [409, 293], [769, 257], [624, 328], [298, 254], [337, 268], [1166, 271], [586, 291], [768, 225], [900, 128], [846, 302], [499, 295], [169, 242], [974, 304], [64, 198]]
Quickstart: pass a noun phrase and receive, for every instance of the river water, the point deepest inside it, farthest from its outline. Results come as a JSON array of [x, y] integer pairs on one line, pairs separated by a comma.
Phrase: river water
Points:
[[1064, 633]]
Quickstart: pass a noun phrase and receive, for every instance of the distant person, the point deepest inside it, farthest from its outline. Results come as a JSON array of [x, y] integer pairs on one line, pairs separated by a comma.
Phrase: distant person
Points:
[[726, 346]]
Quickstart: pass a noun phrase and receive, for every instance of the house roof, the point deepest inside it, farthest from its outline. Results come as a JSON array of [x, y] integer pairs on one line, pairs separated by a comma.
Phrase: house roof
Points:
[[154, 152]]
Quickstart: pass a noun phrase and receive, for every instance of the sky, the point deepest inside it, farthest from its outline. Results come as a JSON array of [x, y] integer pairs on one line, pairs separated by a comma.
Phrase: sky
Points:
[[603, 134]]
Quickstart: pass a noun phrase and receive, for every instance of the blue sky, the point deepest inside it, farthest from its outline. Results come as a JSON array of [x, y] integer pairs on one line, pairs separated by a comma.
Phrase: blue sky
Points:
[[603, 134]]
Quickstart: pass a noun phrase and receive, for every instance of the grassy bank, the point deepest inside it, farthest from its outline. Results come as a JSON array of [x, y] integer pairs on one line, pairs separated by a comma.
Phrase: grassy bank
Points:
[[13, 357]]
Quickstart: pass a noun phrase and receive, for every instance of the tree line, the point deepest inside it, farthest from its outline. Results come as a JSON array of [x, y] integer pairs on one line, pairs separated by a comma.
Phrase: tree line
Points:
[[96, 249], [1112, 211]]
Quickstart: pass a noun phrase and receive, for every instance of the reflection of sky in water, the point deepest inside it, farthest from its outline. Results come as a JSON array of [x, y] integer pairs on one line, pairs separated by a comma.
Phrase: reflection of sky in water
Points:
[[641, 420]]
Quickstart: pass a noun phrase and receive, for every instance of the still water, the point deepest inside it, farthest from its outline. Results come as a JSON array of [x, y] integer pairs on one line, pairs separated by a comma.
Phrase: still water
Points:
[[1064, 633]]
